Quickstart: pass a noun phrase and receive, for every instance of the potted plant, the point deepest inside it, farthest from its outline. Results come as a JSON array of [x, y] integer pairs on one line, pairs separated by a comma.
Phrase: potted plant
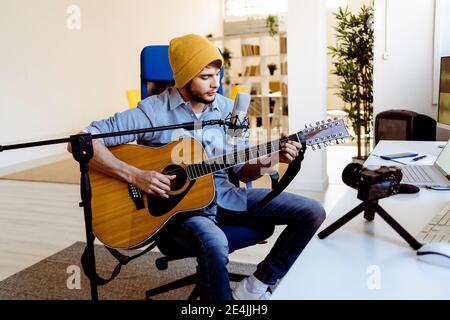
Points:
[[272, 24], [272, 67], [226, 54], [353, 64]]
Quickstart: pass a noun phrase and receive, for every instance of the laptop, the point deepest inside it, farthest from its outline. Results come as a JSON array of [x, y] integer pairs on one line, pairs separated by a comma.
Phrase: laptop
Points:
[[437, 174]]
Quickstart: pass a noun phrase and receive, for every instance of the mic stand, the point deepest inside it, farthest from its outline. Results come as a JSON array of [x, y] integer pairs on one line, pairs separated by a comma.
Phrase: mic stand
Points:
[[370, 207], [82, 152]]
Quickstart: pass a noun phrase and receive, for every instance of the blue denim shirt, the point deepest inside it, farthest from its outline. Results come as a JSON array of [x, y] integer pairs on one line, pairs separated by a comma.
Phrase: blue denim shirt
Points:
[[169, 108]]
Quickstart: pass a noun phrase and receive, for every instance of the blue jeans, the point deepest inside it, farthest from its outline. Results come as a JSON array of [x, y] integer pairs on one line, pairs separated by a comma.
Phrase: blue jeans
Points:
[[203, 238]]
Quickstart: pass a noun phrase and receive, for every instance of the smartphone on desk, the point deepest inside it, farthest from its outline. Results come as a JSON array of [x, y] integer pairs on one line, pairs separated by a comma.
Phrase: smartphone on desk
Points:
[[398, 155]]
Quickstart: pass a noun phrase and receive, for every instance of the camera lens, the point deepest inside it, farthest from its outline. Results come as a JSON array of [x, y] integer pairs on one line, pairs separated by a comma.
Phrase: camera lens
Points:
[[351, 174]]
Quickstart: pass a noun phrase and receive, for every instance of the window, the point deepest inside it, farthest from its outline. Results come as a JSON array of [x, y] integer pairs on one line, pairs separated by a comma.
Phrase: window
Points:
[[244, 8]]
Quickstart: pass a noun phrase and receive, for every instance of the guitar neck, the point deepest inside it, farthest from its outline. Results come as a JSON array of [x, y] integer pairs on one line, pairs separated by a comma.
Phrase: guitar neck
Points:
[[232, 159], [323, 133]]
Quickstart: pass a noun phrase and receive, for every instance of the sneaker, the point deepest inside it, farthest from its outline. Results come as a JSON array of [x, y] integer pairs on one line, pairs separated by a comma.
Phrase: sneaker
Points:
[[272, 287], [242, 292]]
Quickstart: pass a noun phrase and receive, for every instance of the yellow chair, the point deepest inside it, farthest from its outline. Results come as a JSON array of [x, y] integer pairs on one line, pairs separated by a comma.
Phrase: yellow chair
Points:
[[235, 89], [133, 96]]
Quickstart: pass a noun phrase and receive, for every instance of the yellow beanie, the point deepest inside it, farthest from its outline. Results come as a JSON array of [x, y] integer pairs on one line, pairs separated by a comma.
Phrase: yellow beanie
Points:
[[188, 55]]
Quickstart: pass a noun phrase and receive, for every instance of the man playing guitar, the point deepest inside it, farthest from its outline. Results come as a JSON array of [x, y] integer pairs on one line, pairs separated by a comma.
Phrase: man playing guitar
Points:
[[196, 64]]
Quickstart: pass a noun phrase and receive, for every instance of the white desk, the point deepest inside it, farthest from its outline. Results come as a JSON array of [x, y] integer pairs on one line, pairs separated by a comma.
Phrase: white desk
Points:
[[369, 260]]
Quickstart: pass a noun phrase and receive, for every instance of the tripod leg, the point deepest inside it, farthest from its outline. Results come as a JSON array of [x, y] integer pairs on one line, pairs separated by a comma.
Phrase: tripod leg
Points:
[[369, 210], [397, 227], [341, 221]]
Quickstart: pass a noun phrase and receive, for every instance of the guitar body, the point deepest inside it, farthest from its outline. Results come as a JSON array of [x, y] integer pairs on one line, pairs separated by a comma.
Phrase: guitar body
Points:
[[125, 218]]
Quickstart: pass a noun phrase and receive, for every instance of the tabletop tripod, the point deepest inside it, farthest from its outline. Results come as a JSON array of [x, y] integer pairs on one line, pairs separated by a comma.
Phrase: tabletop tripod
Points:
[[371, 188]]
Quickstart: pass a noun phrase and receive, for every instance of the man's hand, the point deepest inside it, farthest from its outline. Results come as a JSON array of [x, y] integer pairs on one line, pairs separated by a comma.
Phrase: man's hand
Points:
[[290, 150], [153, 182]]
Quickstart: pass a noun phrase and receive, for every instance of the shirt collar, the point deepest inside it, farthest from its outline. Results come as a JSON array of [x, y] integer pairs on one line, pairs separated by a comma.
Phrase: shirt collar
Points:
[[176, 100]]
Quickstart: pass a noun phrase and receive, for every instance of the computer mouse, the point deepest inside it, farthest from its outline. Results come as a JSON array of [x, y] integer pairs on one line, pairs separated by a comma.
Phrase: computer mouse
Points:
[[437, 253], [408, 188]]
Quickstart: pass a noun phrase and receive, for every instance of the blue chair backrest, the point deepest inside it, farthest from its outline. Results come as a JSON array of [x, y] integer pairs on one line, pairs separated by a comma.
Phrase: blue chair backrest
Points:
[[155, 67]]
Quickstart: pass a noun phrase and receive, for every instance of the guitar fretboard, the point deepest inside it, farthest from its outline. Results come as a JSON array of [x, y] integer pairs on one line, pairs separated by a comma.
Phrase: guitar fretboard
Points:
[[231, 159]]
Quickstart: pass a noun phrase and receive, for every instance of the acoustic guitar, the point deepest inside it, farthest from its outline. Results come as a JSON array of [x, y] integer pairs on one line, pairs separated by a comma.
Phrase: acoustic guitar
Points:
[[124, 217]]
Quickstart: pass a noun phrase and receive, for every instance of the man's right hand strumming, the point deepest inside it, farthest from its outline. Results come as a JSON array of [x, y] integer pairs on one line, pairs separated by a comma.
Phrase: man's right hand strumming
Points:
[[153, 182]]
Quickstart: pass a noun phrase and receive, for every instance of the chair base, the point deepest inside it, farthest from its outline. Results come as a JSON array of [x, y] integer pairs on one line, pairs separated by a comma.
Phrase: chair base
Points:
[[191, 279]]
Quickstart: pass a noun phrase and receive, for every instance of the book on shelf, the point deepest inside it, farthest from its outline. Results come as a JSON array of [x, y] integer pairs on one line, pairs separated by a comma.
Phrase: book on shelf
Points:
[[284, 69], [283, 45], [284, 89], [255, 108], [250, 50], [252, 70]]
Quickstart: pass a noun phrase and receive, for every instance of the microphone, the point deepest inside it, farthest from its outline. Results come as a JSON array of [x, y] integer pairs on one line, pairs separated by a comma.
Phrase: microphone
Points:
[[238, 119]]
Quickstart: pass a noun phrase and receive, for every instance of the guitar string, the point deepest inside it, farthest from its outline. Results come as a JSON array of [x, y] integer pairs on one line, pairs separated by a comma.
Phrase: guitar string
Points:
[[267, 146], [234, 154]]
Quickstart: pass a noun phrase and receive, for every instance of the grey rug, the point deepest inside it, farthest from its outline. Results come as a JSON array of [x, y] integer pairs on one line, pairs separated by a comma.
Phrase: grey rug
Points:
[[56, 277]]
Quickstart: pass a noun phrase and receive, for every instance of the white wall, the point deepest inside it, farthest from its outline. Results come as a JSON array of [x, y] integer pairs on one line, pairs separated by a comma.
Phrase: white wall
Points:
[[406, 33], [307, 66], [54, 80]]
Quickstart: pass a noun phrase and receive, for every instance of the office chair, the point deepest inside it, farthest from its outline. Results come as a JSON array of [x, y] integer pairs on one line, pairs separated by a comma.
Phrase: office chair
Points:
[[156, 76], [156, 73], [402, 124]]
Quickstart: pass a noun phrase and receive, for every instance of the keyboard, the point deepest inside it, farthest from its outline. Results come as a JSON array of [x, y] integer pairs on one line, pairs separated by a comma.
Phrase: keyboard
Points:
[[415, 174], [438, 229]]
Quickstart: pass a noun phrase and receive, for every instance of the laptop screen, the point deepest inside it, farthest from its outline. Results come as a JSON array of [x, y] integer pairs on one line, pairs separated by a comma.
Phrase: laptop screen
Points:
[[443, 160]]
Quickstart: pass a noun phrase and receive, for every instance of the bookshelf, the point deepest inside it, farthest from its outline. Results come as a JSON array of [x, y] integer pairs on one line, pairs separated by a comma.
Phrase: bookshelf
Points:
[[250, 55]]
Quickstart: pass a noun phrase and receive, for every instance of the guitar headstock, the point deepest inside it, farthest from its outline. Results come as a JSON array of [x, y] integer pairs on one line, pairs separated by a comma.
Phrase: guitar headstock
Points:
[[324, 132]]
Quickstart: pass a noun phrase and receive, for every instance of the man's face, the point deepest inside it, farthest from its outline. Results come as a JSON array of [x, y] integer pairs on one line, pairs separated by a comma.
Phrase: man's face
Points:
[[204, 86]]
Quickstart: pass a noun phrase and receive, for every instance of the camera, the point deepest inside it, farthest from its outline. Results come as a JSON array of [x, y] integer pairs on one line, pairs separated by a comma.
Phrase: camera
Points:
[[372, 184]]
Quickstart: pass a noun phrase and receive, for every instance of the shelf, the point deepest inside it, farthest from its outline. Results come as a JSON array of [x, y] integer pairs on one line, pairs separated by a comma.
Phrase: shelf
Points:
[[247, 35], [251, 53], [261, 56], [270, 95]]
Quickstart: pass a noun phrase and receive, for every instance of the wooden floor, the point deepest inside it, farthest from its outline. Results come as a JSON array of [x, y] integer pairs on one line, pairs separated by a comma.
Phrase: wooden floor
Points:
[[38, 219]]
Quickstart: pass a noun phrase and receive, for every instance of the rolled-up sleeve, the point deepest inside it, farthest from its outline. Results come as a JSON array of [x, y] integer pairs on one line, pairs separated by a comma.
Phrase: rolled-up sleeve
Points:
[[131, 119]]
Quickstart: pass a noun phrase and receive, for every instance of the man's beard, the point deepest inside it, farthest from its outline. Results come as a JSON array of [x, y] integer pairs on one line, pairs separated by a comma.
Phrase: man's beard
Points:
[[197, 98]]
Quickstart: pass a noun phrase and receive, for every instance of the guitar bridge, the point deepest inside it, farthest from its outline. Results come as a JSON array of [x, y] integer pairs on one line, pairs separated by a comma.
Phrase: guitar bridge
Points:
[[136, 196]]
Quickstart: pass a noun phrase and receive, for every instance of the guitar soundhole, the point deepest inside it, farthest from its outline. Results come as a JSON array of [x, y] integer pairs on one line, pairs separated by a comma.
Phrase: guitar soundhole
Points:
[[180, 173]]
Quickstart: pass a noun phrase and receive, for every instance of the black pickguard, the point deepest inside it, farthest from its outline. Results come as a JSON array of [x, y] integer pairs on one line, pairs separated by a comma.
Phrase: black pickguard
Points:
[[158, 206]]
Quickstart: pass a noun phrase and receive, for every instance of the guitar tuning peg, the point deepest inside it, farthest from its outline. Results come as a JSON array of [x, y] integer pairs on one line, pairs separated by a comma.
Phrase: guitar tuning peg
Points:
[[337, 141], [329, 120], [306, 126], [325, 144], [323, 121], [313, 148], [319, 146], [317, 123]]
